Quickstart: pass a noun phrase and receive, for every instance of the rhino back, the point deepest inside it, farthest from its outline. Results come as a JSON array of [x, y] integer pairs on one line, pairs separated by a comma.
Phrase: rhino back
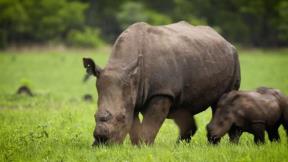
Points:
[[192, 65]]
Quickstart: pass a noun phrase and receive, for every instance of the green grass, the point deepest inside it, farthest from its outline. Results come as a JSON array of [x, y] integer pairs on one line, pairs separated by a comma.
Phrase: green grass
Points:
[[56, 125]]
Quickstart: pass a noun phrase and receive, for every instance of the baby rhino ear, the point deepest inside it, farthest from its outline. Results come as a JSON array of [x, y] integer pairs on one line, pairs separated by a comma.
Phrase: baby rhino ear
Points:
[[91, 67]]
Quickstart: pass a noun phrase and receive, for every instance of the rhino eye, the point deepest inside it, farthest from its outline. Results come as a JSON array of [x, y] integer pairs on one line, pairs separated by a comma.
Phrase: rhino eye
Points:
[[221, 123], [226, 118], [103, 116], [121, 118]]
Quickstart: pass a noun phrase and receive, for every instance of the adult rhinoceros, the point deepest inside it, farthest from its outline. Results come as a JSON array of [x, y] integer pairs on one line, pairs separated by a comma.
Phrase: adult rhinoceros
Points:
[[173, 71]]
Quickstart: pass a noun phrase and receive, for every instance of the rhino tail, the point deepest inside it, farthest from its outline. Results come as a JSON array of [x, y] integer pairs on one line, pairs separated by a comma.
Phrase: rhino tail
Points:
[[237, 73]]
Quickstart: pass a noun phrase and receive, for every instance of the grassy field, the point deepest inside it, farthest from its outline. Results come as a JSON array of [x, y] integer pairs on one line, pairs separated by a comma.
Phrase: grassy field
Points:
[[57, 125]]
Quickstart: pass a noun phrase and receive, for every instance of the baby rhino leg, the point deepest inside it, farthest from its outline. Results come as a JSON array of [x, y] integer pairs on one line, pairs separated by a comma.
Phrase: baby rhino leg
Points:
[[258, 130], [285, 118], [273, 134], [234, 134], [285, 125]]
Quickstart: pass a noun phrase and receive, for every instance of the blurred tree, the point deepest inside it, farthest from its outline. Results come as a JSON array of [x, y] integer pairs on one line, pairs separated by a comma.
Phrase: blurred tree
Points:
[[282, 22], [53, 18], [256, 23], [39, 21], [132, 12], [89, 37], [162, 6], [102, 14], [12, 18], [185, 10], [258, 15]]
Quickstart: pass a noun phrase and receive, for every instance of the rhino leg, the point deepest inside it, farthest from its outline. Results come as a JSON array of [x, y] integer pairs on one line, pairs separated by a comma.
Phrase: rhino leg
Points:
[[153, 117], [234, 134], [136, 126], [186, 123]]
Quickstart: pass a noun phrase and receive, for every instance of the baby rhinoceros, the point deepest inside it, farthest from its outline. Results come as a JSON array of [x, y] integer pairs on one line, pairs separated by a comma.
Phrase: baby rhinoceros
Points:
[[249, 111]]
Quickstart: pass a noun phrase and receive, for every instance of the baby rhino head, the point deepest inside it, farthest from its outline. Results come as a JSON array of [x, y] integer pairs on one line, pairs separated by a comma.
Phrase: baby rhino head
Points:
[[223, 118]]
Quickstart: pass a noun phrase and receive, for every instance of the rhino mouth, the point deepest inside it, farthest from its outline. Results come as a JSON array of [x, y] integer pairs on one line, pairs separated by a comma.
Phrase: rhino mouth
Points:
[[213, 139], [99, 140]]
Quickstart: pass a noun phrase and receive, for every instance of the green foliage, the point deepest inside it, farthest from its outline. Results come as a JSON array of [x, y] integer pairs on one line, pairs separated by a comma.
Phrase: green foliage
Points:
[[282, 23], [12, 18], [3, 39], [185, 10], [254, 23], [90, 37], [48, 19], [40, 20], [132, 12], [156, 18], [12, 12], [56, 125]]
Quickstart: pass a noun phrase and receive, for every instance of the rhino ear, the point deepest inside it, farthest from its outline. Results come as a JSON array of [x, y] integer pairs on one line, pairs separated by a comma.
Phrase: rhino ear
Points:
[[91, 67], [134, 66]]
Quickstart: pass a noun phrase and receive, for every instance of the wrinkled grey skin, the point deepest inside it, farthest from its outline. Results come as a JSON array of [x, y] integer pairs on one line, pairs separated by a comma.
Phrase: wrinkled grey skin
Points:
[[249, 111], [173, 71]]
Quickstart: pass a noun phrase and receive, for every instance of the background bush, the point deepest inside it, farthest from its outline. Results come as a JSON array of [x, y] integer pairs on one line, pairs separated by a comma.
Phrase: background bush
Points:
[[259, 23], [132, 12], [89, 37]]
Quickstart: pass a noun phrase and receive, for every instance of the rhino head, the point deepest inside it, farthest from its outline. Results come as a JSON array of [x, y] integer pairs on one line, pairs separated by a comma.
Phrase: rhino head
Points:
[[117, 92]]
